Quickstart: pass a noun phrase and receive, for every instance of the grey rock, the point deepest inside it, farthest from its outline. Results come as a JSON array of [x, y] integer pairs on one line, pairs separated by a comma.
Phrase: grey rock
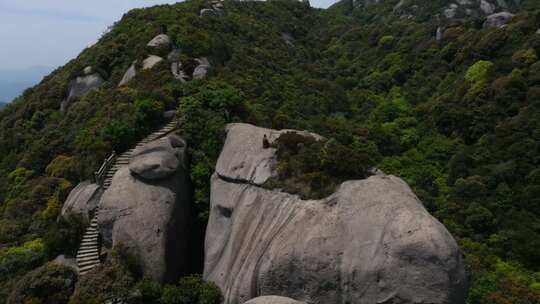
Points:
[[201, 70], [82, 200], [151, 61], [439, 34], [498, 19], [486, 7], [372, 241], [243, 156], [207, 12], [289, 40], [160, 41], [81, 86], [158, 159], [538, 31], [88, 70], [150, 218], [273, 300], [130, 74]]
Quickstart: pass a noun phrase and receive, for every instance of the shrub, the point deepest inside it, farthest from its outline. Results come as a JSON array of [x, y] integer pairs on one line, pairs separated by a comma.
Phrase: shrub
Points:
[[62, 167], [49, 284], [191, 290], [479, 71]]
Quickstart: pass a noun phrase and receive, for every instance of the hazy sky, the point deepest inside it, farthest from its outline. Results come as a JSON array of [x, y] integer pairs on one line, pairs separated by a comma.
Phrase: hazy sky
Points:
[[50, 32]]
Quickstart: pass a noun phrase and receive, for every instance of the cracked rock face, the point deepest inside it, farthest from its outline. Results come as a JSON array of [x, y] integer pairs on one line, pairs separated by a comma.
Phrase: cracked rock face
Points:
[[149, 216], [372, 241]]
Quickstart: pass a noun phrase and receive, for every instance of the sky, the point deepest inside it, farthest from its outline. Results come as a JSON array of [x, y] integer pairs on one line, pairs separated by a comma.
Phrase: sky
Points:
[[48, 33]]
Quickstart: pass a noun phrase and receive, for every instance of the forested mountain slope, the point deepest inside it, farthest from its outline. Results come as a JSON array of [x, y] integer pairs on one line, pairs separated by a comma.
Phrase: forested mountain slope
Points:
[[457, 115]]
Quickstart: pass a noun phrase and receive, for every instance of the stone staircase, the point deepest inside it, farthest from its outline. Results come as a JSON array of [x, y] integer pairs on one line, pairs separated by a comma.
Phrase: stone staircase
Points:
[[88, 255]]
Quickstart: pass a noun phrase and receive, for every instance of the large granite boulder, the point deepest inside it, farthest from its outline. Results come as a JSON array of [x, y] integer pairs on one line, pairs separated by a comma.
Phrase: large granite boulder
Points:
[[129, 74], [160, 45], [273, 300], [159, 159], [81, 86], [151, 61], [372, 241], [82, 200], [160, 41], [149, 216], [498, 19], [202, 68], [243, 156]]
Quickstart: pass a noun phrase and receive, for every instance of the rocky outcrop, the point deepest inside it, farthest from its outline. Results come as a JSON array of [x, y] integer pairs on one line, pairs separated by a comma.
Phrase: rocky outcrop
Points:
[[82, 200], [157, 160], [82, 85], [244, 158], [372, 241], [130, 74], [273, 300], [151, 61], [146, 209], [202, 68], [160, 41], [498, 20]]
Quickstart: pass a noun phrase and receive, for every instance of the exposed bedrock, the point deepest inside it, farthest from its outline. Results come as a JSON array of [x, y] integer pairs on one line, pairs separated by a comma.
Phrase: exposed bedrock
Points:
[[372, 241], [146, 209]]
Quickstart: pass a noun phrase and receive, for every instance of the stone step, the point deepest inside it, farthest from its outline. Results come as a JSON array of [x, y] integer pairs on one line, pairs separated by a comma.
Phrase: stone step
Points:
[[89, 254], [86, 269], [88, 239], [89, 244], [88, 250], [87, 260]]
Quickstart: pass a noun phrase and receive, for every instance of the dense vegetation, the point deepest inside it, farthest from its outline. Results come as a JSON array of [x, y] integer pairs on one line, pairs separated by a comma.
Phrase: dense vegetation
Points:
[[458, 119]]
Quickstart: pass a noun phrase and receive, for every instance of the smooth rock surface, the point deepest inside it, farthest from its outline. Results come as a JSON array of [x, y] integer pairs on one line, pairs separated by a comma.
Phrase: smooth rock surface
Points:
[[130, 74], [498, 19], [80, 86], [486, 7], [151, 61], [370, 242], [84, 84], [201, 70], [160, 41], [81, 200], [273, 300], [243, 156], [159, 159], [150, 218]]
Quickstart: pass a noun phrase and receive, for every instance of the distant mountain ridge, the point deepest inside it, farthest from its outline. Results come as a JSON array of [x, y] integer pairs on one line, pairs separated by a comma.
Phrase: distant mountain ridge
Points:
[[437, 9]]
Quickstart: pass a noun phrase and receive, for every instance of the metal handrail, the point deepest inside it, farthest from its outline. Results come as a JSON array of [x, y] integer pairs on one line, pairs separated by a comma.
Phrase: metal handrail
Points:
[[107, 163]]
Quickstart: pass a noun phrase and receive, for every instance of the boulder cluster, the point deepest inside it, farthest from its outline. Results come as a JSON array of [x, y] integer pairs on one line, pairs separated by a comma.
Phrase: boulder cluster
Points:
[[371, 241], [162, 50]]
